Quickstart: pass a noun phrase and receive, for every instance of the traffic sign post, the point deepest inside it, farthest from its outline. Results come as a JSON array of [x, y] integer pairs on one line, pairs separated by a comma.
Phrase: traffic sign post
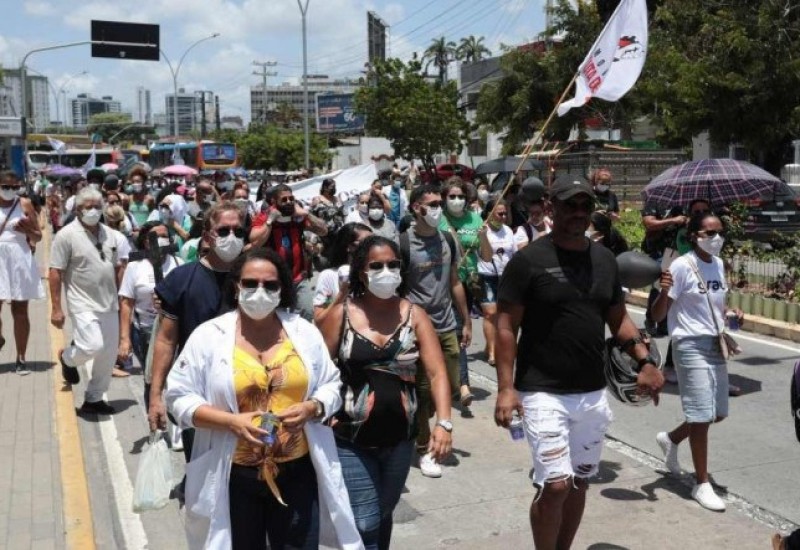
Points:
[[118, 40]]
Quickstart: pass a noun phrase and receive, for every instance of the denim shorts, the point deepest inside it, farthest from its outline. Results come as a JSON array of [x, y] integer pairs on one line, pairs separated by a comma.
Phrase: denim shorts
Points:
[[702, 378], [489, 284], [565, 433]]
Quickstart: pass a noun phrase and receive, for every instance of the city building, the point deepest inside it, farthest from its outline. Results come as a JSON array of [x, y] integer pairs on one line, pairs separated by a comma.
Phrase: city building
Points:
[[144, 109], [232, 123], [38, 92], [292, 94], [195, 110], [481, 146], [84, 106]]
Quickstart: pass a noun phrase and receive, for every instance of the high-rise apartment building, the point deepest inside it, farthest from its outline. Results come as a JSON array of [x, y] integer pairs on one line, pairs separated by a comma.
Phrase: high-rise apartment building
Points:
[[144, 108], [84, 106]]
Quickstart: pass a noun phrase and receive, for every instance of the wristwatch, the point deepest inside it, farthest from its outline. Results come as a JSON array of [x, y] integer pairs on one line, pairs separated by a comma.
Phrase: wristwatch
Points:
[[446, 425], [319, 410], [646, 360]]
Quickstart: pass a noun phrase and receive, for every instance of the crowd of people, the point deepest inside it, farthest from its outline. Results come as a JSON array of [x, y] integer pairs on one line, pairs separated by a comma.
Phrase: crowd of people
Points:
[[302, 351]]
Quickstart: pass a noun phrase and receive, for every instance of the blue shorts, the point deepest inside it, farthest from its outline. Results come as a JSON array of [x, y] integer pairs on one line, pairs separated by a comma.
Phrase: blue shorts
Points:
[[490, 284], [702, 378]]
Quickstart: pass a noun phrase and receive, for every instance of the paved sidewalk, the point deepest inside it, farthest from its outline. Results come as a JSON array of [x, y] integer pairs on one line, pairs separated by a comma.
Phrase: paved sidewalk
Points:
[[30, 472]]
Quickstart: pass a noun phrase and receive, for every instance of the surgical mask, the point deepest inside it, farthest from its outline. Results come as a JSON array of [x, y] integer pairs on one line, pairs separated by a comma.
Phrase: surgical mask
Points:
[[711, 245], [363, 208], [257, 303], [137, 188], [91, 216], [8, 194], [456, 206], [375, 214], [397, 184], [164, 242], [241, 203], [384, 283], [601, 188], [433, 215], [483, 195], [228, 248]]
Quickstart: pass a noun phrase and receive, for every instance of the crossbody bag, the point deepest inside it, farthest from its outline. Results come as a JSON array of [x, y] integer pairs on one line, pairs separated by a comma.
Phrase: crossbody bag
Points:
[[8, 216], [728, 346]]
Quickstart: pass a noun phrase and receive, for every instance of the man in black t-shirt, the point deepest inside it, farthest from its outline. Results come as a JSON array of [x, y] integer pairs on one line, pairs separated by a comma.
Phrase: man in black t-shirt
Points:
[[561, 291], [606, 200], [191, 295]]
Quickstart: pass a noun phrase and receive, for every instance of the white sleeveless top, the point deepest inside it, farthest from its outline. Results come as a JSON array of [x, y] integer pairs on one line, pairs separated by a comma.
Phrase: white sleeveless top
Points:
[[10, 235]]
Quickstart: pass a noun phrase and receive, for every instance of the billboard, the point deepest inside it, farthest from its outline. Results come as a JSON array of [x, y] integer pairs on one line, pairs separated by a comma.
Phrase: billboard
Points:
[[335, 114]]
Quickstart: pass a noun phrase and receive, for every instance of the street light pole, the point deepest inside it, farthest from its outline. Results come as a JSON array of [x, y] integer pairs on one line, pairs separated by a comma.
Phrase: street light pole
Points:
[[175, 72], [304, 11], [62, 90]]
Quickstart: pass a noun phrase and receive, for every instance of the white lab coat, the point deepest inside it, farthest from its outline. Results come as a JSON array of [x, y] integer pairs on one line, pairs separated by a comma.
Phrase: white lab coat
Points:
[[203, 375]]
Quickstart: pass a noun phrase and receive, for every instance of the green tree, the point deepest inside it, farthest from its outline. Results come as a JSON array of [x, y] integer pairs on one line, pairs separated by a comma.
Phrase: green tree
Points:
[[272, 148], [420, 119], [116, 125], [439, 54], [472, 49]]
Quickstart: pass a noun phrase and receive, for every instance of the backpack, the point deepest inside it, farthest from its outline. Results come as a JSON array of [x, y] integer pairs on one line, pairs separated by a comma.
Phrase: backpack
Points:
[[405, 249], [795, 399]]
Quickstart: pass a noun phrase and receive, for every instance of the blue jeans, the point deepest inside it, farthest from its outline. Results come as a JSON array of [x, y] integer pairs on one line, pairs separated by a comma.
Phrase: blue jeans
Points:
[[374, 480]]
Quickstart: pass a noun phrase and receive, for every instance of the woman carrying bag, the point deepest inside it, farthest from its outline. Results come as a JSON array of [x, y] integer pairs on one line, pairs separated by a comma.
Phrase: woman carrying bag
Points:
[[257, 384], [693, 300]]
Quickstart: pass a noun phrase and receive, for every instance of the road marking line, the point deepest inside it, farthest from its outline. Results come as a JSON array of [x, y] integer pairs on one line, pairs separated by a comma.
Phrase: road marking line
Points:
[[77, 509], [740, 334]]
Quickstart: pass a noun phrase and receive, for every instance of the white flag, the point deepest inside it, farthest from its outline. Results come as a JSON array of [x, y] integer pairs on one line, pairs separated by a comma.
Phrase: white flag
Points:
[[90, 163], [57, 145], [614, 63]]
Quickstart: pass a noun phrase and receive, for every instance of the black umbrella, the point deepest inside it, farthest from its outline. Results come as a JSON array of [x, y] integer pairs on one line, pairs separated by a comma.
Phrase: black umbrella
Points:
[[506, 164]]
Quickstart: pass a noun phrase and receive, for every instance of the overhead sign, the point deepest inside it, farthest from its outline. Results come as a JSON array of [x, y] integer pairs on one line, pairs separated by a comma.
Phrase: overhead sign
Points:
[[335, 113], [127, 40], [10, 126]]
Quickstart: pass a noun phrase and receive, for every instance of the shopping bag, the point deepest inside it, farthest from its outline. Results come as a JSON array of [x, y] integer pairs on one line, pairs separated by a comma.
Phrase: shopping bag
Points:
[[154, 478]]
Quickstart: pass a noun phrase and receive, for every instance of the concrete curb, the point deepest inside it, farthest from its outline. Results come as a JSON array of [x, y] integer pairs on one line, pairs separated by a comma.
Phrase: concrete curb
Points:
[[752, 323]]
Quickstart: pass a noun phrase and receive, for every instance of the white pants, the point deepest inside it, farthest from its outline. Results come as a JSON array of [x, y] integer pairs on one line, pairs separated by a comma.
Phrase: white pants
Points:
[[95, 337]]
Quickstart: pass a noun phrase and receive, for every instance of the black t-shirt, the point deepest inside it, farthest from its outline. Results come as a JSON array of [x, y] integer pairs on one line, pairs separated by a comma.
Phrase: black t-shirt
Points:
[[607, 201], [656, 241], [192, 294], [567, 295]]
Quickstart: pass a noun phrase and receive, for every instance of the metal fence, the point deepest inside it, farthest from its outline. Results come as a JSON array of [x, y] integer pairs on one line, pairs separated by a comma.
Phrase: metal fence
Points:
[[760, 275]]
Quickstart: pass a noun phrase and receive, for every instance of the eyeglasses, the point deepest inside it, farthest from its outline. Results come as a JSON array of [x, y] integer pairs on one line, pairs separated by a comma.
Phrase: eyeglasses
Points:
[[586, 206], [269, 286], [225, 230], [380, 266], [711, 233], [433, 204], [99, 248]]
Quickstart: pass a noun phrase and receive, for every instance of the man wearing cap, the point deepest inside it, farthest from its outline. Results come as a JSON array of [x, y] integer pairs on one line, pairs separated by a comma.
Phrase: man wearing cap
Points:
[[557, 294]]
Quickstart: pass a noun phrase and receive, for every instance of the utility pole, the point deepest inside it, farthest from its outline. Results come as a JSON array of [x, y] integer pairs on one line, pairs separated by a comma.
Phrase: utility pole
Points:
[[304, 12], [263, 73]]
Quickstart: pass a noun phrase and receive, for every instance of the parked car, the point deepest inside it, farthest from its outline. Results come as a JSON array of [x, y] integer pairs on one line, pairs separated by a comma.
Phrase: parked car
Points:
[[444, 171], [770, 214]]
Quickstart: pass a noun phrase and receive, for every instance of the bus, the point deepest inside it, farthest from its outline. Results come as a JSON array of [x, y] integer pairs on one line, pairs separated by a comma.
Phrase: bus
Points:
[[205, 155]]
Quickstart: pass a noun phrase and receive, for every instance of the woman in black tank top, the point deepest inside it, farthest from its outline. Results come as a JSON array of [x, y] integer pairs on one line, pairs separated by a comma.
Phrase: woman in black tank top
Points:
[[379, 339]]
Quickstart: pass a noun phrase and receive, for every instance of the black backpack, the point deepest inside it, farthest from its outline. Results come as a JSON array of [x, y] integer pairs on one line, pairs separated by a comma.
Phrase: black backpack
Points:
[[795, 397]]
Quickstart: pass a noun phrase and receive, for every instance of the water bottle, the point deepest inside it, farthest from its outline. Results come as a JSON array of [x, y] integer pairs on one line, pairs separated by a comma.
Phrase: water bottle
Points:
[[515, 427]]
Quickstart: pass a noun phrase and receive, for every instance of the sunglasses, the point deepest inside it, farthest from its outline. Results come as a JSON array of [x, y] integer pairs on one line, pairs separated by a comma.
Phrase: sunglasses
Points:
[[99, 248], [225, 230], [585, 206], [380, 266], [286, 200], [9, 187], [269, 286], [457, 196], [711, 233], [433, 204]]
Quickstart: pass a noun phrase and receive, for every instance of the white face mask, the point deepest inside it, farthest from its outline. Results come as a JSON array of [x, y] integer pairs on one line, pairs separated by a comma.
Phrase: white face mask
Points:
[[456, 206], [8, 194], [228, 248], [137, 188], [433, 216], [257, 303], [91, 216], [711, 245], [384, 283], [483, 195], [163, 241], [241, 203], [601, 188], [375, 214], [363, 208]]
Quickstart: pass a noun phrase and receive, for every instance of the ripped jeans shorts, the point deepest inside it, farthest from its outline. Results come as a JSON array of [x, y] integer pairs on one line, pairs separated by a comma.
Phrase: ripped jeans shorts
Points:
[[565, 433]]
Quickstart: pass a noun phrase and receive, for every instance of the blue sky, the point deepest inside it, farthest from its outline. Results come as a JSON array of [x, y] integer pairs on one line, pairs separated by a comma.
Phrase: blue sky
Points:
[[263, 30]]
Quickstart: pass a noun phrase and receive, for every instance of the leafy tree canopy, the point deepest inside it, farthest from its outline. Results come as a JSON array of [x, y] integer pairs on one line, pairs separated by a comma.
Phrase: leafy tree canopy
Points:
[[271, 148], [420, 118]]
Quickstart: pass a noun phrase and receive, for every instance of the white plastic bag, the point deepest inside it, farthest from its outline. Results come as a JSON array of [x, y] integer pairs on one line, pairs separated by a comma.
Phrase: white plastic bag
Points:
[[154, 478]]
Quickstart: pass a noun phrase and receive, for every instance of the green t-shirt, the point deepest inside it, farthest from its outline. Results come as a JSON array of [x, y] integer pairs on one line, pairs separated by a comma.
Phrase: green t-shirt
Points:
[[466, 227]]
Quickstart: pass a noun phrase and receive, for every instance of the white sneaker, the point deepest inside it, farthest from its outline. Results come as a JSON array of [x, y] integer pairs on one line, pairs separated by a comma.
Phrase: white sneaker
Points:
[[429, 467], [670, 451], [705, 495]]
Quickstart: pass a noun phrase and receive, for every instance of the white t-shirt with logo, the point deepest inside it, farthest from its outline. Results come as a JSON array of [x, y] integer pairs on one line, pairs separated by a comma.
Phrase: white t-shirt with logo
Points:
[[690, 314], [138, 284], [500, 240]]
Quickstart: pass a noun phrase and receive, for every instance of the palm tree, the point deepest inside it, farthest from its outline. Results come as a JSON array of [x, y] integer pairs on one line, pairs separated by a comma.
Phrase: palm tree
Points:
[[472, 49], [440, 53]]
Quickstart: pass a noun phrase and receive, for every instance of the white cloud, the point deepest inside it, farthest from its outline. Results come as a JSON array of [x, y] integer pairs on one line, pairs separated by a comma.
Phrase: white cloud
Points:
[[39, 8]]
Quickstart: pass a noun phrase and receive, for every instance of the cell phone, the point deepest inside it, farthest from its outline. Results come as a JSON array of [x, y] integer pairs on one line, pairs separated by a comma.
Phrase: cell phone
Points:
[[269, 423]]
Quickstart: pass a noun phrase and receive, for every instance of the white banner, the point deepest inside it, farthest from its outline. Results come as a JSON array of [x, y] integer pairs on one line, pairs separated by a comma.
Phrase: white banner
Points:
[[614, 63], [349, 183]]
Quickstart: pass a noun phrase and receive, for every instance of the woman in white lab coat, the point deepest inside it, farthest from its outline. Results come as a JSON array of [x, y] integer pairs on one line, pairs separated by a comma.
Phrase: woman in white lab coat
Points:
[[261, 367]]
